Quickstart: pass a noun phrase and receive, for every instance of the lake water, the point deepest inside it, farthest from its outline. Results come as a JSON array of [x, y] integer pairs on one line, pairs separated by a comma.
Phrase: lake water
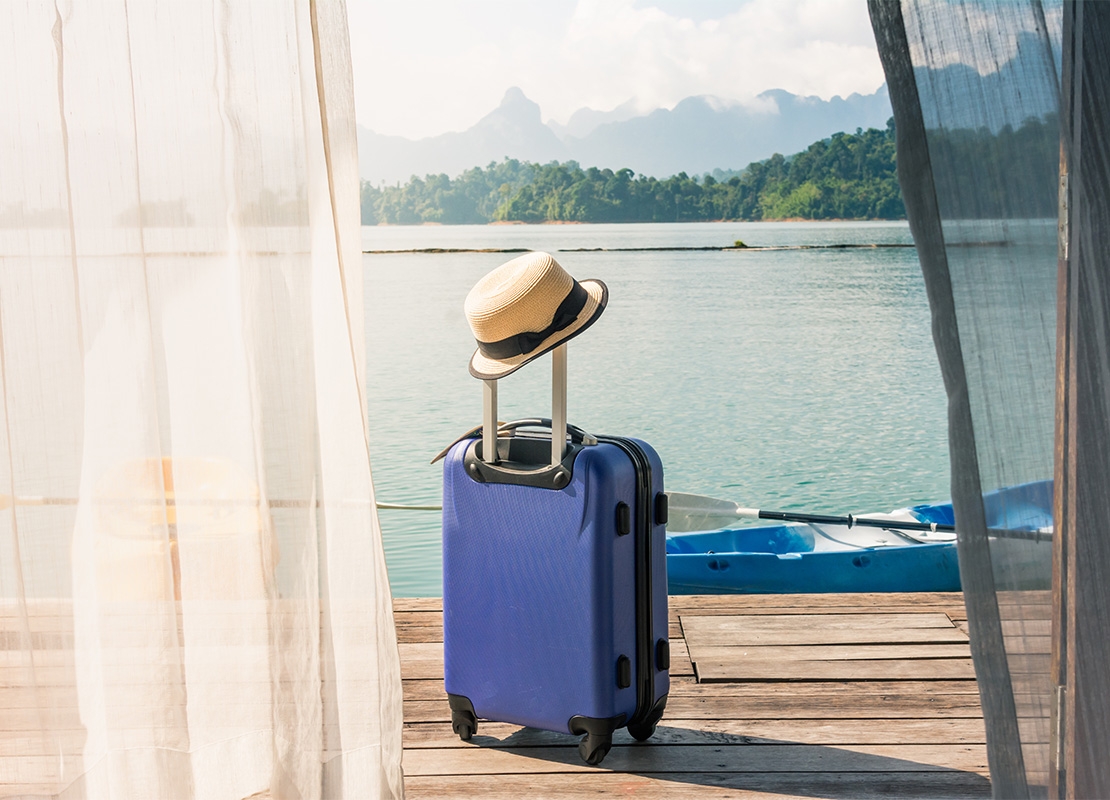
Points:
[[798, 380]]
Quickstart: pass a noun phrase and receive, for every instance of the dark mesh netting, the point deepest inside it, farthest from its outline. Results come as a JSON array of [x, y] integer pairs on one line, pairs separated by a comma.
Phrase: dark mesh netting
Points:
[[1002, 111]]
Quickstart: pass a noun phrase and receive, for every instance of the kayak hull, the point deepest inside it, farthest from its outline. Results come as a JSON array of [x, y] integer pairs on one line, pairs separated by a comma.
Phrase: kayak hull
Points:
[[913, 568], [803, 558]]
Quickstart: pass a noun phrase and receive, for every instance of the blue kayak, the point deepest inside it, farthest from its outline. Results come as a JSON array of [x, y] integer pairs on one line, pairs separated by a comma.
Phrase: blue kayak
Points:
[[787, 558]]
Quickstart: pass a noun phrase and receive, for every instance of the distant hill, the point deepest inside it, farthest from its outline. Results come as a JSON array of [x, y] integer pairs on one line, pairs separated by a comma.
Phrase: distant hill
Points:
[[847, 176], [698, 135]]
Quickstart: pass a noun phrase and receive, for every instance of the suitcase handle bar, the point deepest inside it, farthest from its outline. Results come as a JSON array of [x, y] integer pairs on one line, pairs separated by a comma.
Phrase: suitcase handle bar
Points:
[[558, 409]]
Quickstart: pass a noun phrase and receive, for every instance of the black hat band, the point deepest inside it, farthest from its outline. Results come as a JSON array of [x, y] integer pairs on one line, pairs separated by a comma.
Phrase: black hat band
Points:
[[520, 343]]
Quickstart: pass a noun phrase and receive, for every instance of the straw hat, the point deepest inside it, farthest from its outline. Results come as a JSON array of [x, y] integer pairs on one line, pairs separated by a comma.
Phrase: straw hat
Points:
[[525, 308]]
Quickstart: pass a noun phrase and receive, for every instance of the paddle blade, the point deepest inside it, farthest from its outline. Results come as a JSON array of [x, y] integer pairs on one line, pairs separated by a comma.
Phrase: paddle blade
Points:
[[695, 512]]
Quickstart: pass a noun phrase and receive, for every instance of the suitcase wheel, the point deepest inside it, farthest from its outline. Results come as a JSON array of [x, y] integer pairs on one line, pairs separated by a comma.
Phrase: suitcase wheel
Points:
[[464, 724], [594, 747], [641, 733]]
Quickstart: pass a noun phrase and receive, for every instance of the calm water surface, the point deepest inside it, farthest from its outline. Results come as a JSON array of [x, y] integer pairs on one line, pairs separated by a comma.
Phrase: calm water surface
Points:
[[794, 380]]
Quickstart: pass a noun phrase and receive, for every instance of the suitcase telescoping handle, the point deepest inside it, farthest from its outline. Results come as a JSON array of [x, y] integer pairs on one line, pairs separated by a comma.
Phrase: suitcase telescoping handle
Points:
[[558, 410]]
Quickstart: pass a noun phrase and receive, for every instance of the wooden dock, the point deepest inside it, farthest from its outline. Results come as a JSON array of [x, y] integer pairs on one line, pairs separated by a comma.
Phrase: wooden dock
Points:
[[832, 696], [837, 696]]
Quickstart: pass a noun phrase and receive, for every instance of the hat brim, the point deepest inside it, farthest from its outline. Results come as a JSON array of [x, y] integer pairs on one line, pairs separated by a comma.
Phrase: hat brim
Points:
[[489, 369]]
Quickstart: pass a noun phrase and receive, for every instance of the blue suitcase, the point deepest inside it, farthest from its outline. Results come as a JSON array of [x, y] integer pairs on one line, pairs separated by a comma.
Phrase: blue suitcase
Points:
[[554, 585]]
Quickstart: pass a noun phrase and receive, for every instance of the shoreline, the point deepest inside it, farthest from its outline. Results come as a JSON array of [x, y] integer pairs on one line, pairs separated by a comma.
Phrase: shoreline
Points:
[[707, 248], [645, 222]]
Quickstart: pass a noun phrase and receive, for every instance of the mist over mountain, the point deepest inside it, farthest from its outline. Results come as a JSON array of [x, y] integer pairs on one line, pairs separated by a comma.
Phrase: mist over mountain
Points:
[[513, 129], [585, 120], [698, 135]]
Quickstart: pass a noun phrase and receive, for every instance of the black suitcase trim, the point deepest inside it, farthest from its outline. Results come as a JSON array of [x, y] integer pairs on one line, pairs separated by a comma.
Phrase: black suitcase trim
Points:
[[599, 735], [464, 721], [643, 721], [516, 459], [642, 731]]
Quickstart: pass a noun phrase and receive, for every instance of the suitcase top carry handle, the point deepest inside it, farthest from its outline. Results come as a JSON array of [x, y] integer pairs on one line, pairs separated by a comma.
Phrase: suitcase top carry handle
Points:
[[577, 435]]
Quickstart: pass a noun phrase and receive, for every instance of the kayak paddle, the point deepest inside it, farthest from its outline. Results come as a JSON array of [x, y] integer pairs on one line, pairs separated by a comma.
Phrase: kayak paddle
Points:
[[695, 512]]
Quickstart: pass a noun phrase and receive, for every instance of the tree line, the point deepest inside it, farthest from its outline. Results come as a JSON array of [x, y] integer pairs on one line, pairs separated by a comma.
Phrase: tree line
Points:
[[847, 176]]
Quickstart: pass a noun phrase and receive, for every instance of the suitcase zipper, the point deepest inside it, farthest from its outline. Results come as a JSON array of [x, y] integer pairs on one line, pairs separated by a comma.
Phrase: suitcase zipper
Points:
[[645, 628]]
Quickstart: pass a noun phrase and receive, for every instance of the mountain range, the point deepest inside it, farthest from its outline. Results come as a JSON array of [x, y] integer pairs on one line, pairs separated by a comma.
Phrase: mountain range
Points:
[[699, 135]]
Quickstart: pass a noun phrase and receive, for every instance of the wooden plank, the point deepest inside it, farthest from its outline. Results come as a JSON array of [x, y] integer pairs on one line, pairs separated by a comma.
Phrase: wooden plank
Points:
[[778, 703], [721, 732], [788, 622], [681, 665], [58, 614], [36, 640], [952, 612], [833, 652], [819, 690], [663, 786], [858, 703], [434, 618], [700, 758], [1028, 664], [245, 715], [812, 691], [831, 629], [708, 785], [423, 689], [47, 607], [856, 670], [1026, 597], [803, 636], [154, 655], [1029, 645], [424, 660], [814, 602], [414, 635], [212, 692], [417, 604], [1031, 628], [59, 741], [409, 632]]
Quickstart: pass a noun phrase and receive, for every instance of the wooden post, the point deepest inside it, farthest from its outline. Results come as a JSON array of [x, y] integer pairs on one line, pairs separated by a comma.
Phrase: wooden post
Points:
[[1081, 645]]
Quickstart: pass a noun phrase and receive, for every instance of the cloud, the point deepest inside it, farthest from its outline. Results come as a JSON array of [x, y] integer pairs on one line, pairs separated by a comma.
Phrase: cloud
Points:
[[427, 66]]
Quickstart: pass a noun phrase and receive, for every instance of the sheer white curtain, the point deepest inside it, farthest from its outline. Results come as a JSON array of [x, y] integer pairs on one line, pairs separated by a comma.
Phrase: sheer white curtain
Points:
[[193, 598]]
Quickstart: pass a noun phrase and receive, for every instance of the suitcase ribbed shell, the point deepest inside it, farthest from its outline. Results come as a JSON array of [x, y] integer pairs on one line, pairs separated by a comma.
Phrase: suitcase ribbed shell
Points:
[[539, 592]]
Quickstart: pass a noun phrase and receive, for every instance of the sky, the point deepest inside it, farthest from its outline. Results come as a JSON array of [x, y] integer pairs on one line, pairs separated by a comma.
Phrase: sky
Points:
[[425, 67]]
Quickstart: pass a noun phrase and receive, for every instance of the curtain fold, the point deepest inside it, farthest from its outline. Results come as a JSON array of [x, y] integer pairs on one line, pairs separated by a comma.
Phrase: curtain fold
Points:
[[193, 597], [975, 91]]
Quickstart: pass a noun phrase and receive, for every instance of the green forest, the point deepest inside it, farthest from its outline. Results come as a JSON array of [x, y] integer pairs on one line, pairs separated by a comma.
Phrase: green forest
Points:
[[847, 176]]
